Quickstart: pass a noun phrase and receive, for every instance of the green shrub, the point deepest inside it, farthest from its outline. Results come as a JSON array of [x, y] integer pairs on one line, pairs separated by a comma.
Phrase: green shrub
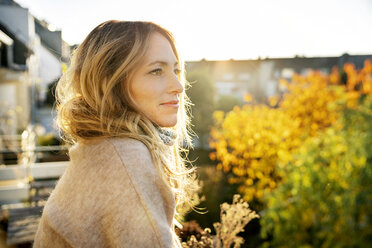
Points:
[[326, 198]]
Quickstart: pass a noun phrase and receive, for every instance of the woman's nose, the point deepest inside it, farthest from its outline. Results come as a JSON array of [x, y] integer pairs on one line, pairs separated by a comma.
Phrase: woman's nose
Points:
[[176, 86]]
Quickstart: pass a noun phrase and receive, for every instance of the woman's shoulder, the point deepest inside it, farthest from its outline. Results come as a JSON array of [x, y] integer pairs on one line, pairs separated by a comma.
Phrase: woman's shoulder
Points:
[[133, 154], [109, 157], [100, 162], [129, 146], [109, 147]]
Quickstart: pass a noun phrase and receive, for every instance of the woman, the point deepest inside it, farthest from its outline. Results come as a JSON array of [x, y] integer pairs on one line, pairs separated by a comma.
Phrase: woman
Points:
[[122, 104]]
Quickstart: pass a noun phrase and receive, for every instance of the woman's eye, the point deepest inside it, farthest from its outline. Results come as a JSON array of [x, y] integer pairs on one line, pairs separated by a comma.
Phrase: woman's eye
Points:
[[157, 71]]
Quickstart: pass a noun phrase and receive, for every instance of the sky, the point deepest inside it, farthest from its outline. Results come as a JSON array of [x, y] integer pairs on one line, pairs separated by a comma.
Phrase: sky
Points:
[[234, 29]]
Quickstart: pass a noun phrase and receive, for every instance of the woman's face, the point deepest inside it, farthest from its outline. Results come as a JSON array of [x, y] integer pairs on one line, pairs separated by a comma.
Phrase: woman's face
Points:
[[155, 85]]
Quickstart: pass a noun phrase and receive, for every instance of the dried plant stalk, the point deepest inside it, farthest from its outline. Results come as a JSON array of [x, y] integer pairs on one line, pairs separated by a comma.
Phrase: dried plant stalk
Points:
[[234, 218], [206, 240]]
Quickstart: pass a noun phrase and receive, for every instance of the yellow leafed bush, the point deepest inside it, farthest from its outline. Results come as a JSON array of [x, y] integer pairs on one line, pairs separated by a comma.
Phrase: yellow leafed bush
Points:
[[254, 141], [249, 142]]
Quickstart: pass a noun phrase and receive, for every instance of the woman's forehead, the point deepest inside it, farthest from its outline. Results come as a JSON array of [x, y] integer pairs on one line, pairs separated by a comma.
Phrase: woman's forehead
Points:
[[159, 51]]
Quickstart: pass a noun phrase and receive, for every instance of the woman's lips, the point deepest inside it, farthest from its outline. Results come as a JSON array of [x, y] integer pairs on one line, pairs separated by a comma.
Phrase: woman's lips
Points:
[[173, 104]]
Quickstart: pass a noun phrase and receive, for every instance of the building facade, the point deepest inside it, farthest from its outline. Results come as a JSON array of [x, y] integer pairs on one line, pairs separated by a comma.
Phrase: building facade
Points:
[[31, 57], [260, 77]]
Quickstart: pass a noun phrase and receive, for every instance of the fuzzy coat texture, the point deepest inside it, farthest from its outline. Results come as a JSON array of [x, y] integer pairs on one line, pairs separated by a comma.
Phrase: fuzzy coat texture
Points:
[[111, 195]]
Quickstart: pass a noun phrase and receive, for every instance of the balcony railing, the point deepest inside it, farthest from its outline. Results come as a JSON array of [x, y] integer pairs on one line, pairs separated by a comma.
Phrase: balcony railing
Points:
[[15, 183], [14, 149], [23, 162]]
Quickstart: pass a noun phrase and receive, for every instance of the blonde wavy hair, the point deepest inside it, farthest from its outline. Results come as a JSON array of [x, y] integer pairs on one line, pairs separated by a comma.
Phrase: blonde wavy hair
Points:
[[94, 101]]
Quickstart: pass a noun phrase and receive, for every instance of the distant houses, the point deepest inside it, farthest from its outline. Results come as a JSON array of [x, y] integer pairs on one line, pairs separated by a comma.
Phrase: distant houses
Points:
[[260, 77], [31, 57]]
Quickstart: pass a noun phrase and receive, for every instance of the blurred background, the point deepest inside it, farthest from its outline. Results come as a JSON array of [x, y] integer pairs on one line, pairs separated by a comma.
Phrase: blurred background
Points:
[[282, 94]]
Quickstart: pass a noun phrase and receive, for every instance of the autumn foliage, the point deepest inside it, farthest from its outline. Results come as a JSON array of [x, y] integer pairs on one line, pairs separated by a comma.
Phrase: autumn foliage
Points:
[[255, 142]]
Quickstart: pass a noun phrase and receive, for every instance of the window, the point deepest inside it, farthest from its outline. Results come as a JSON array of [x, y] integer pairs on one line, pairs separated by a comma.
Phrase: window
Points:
[[287, 72], [244, 76], [228, 76]]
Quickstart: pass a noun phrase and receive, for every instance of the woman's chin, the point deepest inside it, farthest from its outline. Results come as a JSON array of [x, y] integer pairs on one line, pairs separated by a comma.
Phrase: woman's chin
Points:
[[170, 122]]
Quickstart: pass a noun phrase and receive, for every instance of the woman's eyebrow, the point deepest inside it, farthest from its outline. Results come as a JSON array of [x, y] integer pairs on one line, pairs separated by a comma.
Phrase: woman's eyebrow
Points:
[[162, 63]]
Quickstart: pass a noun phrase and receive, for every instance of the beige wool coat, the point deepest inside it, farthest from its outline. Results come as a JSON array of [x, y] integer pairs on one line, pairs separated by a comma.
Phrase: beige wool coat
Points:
[[111, 195]]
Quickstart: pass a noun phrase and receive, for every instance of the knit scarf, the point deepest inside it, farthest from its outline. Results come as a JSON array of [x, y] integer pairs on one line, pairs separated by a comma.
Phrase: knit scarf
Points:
[[167, 135]]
